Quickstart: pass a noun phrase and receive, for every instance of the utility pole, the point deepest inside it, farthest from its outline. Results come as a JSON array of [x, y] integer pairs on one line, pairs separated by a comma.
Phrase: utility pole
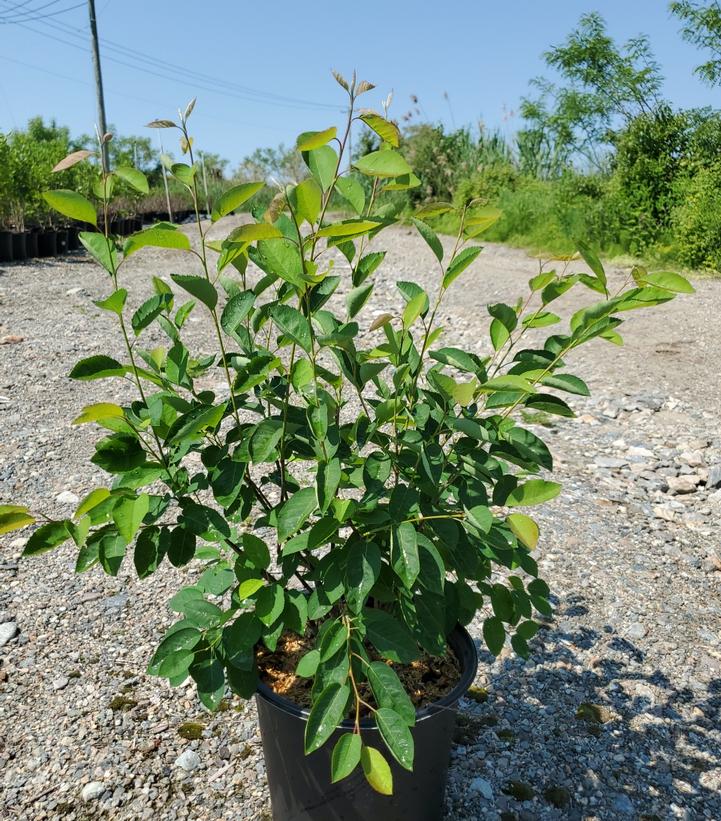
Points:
[[102, 124]]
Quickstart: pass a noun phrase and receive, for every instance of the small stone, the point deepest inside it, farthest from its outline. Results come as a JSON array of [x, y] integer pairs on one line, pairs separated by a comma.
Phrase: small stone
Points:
[[609, 462], [714, 476], [7, 631], [92, 790], [73, 291], [480, 785], [636, 631], [635, 452], [60, 683], [623, 804], [682, 484], [665, 513], [67, 497], [693, 458], [188, 761]]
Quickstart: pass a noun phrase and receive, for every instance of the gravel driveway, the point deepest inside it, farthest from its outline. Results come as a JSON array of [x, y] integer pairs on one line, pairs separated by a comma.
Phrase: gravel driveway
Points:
[[616, 714]]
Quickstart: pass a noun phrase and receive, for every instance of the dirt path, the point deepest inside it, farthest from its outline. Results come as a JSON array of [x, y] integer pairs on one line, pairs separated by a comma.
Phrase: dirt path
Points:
[[635, 566]]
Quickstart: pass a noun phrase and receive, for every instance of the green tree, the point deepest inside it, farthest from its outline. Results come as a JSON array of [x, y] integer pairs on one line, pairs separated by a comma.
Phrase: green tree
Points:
[[701, 25], [603, 87]]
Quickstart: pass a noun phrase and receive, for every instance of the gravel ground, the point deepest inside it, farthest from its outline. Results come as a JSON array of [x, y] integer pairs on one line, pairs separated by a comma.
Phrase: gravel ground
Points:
[[616, 714]]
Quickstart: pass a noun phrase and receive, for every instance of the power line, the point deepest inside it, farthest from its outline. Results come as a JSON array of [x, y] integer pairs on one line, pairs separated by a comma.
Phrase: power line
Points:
[[36, 9], [162, 68], [31, 18]]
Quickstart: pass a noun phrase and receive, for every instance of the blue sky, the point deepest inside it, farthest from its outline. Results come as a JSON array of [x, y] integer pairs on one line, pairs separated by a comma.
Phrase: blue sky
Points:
[[274, 60]]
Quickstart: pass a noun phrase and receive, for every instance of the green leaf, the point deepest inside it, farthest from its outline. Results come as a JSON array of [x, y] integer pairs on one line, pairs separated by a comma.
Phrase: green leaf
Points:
[[357, 298], [47, 537], [414, 309], [199, 287], [149, 310], [322, 163], [349, 228], [367, 265], [101, 249], [270, 603], [149, 551], [235, 311], [158, 236], [385, 129], [396, 735], [293, 324], [352, 192], [566, 382], [346, 756], [533, 492], [524, 528], [134, 178], [392, 639], [129, 513], [99, 412], [502, 603], [376, 770], [13, 517], [181, 548], [494, 634], [177, 639], [308, 664], [249, 587], [429, 235], [294, 513], [265, 440], [254, 231], [256, 550], [327, 481], [114, 303], [404, 553], [362, 571], [306, 200], [593, 262], [118, 453], [666, 280], [460, 263], [71, 204], [389, 692], [97, 367], [234, 197], [310, 140], [335, 637], [325, 715], [482, 221], [383, 164]]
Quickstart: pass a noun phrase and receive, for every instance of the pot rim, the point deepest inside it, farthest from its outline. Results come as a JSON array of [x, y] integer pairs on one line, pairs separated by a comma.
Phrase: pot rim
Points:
[[459, 641]]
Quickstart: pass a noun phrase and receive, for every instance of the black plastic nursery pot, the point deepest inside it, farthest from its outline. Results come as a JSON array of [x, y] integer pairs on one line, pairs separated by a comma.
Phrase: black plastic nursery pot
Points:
[[47, 244], [73, 241], [61, 241], [31, 244], [19, 246], [300, 785], [6, 246]]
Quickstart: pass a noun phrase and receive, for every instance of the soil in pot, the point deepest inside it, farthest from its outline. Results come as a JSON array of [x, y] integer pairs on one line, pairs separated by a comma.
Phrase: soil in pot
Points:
[[300, 786], [6, 246], [19, 246]]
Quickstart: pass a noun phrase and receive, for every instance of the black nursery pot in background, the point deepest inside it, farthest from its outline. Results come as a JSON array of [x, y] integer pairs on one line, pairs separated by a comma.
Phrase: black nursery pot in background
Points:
[[62, 241], [300, 785], [31, 244], [6, 246], [47, 244], [19, 246]]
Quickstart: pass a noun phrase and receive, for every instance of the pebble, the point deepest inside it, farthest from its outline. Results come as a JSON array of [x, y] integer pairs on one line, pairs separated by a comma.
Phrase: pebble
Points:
[[60, 683], [480, 785], [188, 761], [623, 804], [635, 630], [93, 790], [682, 484], [67, 497], [8, 630]]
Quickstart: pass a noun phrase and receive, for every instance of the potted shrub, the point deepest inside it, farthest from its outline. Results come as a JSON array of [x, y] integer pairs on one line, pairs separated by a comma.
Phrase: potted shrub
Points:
[[356, 493]]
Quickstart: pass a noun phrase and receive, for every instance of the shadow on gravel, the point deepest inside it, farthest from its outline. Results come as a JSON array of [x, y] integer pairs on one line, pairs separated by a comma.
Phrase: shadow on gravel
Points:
[[589, 728]]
